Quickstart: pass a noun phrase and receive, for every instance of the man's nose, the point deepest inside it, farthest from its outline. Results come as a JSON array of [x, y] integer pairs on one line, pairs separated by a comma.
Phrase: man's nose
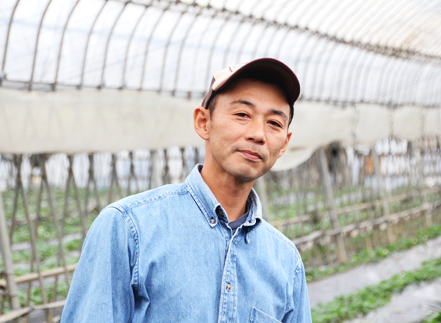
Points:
[[256, 131]]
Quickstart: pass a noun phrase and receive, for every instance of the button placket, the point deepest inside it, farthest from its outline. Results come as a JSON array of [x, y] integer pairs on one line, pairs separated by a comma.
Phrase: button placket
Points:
[[228, 294]]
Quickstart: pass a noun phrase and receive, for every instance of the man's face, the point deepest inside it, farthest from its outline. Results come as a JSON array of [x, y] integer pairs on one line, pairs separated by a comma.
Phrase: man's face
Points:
[[248, 129]]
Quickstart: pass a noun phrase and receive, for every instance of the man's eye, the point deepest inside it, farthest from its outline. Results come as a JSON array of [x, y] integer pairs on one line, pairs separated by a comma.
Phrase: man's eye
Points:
[[274, 123], [242, 115]]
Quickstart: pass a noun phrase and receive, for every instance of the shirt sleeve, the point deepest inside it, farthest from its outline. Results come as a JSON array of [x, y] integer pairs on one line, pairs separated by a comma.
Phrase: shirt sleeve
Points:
[[103, 286], [301, 311]]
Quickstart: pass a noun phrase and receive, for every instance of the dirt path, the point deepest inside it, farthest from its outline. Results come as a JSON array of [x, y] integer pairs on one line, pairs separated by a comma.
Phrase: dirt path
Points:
[[412, 305], [325, 290]]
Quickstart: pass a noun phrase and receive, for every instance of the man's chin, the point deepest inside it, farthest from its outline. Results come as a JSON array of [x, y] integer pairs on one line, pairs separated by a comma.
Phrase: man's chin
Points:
[[246, 174]]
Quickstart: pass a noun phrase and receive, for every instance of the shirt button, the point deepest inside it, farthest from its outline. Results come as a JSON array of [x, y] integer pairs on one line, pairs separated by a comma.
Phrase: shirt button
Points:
[[228, 287], [219, 212], [212, 221]]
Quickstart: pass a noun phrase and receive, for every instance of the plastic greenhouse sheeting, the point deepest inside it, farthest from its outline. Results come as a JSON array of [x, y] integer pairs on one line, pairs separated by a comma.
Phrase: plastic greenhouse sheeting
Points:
[[112, 121]]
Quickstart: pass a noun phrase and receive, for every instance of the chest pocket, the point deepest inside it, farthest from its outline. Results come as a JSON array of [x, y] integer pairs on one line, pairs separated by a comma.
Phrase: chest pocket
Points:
[[257, 316]]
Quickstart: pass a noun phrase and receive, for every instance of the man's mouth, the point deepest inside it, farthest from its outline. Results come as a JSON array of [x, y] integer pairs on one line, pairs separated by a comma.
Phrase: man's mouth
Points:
[[250, 154]]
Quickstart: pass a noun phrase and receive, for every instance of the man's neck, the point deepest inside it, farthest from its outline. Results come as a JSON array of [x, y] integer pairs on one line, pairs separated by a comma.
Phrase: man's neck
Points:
[[231, 193]]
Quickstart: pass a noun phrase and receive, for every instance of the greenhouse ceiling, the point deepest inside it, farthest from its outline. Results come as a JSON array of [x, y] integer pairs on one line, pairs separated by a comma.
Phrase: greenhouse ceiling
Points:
[[344, 52]]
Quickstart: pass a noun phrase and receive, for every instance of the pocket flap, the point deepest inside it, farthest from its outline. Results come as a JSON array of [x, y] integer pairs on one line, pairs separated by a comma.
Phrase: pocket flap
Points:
[[257, 316]]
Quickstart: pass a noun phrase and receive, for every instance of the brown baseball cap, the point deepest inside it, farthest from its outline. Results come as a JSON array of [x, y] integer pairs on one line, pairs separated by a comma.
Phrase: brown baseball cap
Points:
[[267, 68]]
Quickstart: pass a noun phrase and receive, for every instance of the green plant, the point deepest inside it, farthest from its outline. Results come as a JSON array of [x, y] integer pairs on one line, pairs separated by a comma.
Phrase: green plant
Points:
[[347, 307], [368, 256]]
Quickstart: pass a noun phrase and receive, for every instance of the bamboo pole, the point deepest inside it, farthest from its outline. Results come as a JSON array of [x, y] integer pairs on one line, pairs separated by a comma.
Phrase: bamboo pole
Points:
[[261, 189], [7, 260], [326, 182], [382, 194]]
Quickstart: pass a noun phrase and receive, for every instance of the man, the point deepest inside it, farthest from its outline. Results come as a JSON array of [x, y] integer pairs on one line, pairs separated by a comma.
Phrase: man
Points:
[[200, 251]]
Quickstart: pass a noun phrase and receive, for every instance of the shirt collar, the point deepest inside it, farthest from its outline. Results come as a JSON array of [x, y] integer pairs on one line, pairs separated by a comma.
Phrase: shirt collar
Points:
[[209, 205]]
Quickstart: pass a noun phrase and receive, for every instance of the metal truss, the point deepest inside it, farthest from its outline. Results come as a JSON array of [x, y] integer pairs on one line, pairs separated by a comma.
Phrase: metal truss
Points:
[[343, 52]]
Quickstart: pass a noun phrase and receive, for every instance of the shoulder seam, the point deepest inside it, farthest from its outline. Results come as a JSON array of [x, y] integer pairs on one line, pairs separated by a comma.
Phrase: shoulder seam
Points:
[[149, 201]]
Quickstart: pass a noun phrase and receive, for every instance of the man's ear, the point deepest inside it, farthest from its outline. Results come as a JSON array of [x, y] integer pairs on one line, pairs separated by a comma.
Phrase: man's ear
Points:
[[201, 118], [285, 145]]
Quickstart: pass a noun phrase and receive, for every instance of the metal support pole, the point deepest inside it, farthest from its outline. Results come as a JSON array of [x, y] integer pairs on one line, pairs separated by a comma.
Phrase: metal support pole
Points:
[[416, 153], [326, 182], [157, 178], [261, 190], [381, 191], [7, 259]]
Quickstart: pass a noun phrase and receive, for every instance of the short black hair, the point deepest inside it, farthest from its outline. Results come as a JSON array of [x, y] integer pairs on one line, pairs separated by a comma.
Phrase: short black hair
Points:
[[255, 77]]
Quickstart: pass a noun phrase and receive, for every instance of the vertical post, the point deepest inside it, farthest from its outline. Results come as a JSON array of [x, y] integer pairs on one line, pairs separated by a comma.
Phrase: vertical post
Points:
[[157, 178], [416, 153], [381, 191], [261, 189], [7, 259], [326, 182]]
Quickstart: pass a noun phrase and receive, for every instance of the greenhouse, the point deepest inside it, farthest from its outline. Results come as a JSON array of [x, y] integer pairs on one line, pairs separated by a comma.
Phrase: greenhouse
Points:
[[96, 103]]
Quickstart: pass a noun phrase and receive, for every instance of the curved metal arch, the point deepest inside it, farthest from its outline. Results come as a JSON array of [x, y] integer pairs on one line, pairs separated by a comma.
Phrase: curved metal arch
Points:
[[234, 34], [383, 86], [354, 17], [108, 42], [346, 79], [430, 75], [416, 88], [371, 78], [389, 33], [312, 53], [325, 69], [287, 30], [233, 37], [386, 44], [213, 45], [399, 82], [241, 2], [415, 71], [278, 26], [365, 76], [395, 31], [166, 50], [367, 27], [36, 45], [407, 69], [281, 8], [199, 46], [307, 12], [61, 45], [338, 24], [437, 85], [181, 47], [310, 9], [345, 24], [123, 80], [8, 33], [239, 53], [282, 42], [273, 36], [338, 16], [144, 63], [353, 82], [387, 58], [80, 85], [306, 40], [428, 22], [256, 46], [338, 83]]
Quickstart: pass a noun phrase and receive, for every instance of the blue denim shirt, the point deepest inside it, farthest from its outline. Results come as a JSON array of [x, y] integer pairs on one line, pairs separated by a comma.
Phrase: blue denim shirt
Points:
[[168, 255]]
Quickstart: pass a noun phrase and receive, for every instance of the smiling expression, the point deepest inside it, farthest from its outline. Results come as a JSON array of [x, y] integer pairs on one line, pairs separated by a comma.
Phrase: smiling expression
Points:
[[248, 129]]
